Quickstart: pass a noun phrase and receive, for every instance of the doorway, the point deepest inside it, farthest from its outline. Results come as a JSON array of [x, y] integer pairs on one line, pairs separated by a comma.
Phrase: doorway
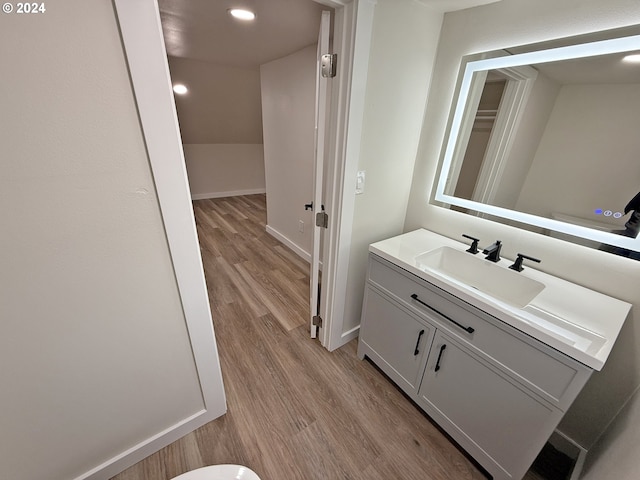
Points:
[[156, 107], [247, 119], [146, 58]]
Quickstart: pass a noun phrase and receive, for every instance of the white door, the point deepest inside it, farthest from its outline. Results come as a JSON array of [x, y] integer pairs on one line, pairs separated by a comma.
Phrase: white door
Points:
[[320, 131]]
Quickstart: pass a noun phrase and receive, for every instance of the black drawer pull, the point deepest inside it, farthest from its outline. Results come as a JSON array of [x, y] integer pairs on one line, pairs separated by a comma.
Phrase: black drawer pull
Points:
[[417, 351], [439, 357], [466, 329]]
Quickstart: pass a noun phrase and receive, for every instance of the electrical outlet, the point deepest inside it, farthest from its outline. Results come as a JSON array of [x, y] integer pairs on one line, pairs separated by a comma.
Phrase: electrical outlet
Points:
[[301, 226]]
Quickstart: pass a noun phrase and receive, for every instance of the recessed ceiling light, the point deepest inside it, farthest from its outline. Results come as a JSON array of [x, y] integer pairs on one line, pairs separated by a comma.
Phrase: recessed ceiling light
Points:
[[242, 14], [180, 89], [635, 58]]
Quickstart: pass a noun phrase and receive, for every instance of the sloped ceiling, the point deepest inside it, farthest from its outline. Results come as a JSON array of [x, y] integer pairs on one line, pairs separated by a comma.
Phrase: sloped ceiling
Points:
[[453, 5], [203, 30], [207, 47]]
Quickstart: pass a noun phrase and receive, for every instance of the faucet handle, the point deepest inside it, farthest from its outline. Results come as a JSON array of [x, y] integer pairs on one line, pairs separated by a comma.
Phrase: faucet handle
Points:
[[517, 265], [474, 244]]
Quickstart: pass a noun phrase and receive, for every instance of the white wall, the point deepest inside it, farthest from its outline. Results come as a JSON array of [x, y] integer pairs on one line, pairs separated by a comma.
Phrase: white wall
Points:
[[288, 110], [223, 170], [500, 25], [615, 455], [222, 105], [221, 127], [94, 352], [404, 40]]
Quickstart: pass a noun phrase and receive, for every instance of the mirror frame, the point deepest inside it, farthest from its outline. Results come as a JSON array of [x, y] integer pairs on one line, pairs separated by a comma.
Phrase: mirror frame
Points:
[[472, 68]]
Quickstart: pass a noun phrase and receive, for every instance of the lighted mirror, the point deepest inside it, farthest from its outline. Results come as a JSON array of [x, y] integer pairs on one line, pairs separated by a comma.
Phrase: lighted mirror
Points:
[[550, 139]]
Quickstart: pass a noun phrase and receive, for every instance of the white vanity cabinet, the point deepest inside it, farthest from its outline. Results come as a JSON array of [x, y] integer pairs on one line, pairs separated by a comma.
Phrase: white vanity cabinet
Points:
[[493, 418], [498, 392], [397, 340]]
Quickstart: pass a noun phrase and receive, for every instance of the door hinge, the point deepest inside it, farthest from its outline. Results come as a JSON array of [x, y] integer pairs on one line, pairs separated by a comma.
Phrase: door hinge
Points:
[[329, 64], [322, 219], [317, 321]]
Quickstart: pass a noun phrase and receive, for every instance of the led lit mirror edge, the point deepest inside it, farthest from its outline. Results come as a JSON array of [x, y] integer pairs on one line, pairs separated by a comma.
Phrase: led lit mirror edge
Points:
[[589, 49], [546, 223]]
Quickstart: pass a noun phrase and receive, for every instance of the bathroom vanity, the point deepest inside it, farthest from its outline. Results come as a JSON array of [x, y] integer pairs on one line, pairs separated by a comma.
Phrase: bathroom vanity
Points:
[[492, 355]]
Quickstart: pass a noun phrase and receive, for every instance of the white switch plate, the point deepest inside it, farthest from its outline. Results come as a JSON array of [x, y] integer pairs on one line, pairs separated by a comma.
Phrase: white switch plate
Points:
[[360, 182], [301, 226]]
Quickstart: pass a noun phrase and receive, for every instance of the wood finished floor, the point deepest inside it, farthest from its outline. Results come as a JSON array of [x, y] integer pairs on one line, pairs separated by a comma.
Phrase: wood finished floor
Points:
[[295, 411]]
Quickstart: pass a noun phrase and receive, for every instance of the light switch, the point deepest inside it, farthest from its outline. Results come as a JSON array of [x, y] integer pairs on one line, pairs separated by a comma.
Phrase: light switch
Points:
[[360, 182]]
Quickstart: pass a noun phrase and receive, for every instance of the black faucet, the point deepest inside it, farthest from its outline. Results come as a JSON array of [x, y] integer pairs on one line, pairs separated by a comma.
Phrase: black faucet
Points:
[[492, 252]]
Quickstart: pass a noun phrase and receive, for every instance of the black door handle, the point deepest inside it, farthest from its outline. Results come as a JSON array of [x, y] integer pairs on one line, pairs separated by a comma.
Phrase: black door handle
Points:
[[417, 351], [442, 348]]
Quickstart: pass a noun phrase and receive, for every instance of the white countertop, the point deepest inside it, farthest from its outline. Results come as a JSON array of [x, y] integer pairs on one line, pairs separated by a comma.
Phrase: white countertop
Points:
[[572, 319]]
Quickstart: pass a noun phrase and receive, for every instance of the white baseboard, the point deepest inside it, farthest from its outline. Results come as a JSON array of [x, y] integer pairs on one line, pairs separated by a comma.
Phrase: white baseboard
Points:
[[138, 452], [347, 336], [232, 193], [297, 250]]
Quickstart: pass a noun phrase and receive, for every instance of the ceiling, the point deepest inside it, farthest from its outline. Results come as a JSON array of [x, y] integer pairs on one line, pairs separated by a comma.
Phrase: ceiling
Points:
[[203, 30], [208, 50], [602, 69]]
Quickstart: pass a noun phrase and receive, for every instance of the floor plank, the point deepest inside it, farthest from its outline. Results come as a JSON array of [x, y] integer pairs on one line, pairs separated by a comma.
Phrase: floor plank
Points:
[[295, 410]]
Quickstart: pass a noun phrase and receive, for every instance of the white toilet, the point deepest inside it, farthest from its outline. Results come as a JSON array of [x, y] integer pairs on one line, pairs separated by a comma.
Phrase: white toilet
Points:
[[219, 472]]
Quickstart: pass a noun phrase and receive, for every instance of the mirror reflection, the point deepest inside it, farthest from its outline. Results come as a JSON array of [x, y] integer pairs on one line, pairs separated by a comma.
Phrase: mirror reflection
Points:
[[553, 140]]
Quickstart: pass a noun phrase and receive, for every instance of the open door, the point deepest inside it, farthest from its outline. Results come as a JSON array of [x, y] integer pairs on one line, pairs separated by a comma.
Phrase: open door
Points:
[[324, 70]]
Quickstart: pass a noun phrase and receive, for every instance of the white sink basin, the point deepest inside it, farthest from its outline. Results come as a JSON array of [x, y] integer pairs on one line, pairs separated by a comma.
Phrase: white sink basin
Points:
[[576, 321], [474, 272]]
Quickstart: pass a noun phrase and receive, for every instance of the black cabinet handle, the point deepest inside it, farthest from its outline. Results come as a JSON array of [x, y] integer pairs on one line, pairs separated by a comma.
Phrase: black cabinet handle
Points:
[[466, 329], [417, 351], [440, 357]]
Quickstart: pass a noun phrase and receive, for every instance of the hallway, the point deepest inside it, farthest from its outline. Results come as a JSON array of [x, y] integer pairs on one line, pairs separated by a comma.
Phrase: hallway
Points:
[[295, 411]]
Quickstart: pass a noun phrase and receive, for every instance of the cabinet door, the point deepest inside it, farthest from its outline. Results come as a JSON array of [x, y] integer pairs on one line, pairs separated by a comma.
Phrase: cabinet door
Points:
[[394, 340], [497, 422]]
